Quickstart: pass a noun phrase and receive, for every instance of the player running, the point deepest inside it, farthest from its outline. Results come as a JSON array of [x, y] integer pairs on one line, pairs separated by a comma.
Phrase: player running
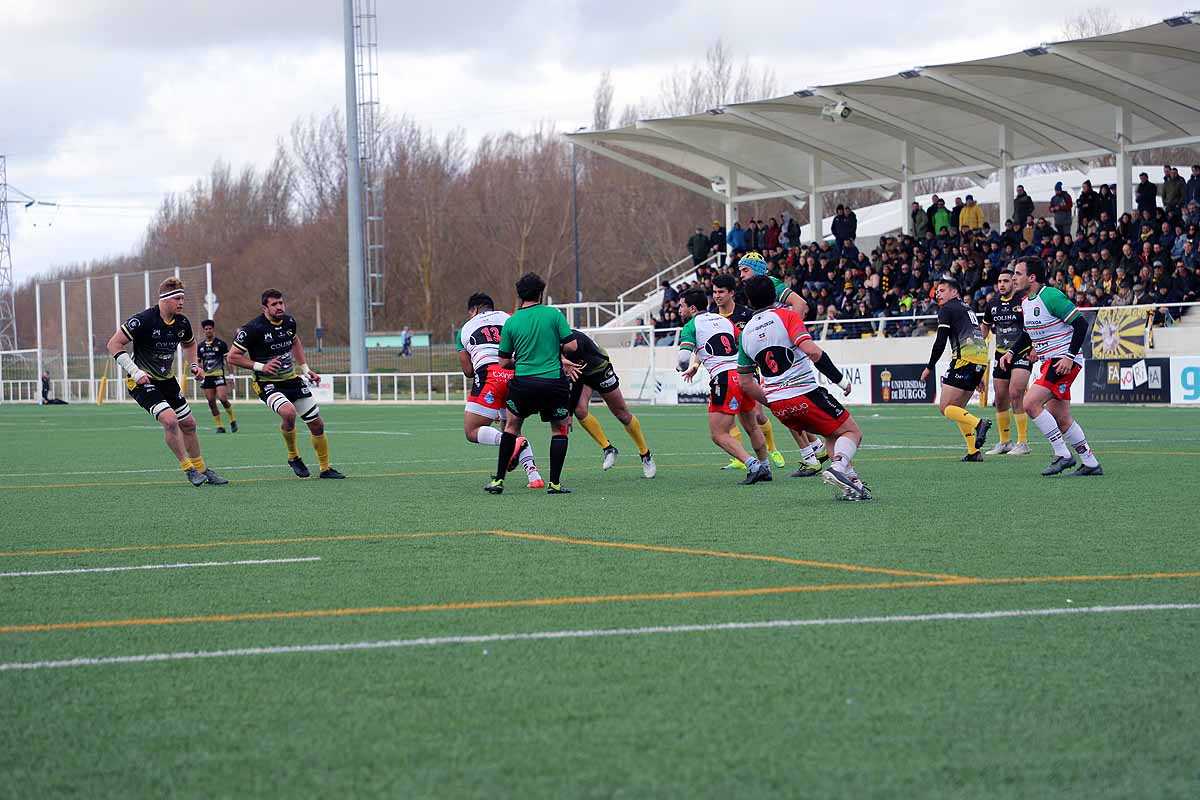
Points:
[[1055, 331], [156, 333], [777, 345], [1003, 316], [212, 352], [478, 344], [711, 339], [811, 448], [532, 344], [270, 345], [593, 372], [958, 325]]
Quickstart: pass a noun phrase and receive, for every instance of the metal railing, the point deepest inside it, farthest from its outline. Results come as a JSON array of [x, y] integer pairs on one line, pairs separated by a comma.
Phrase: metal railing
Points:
[[641, 292]]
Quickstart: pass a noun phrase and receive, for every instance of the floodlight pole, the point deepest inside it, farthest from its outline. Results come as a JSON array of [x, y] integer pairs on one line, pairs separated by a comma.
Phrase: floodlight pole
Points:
[[575, 217], [357, 270]]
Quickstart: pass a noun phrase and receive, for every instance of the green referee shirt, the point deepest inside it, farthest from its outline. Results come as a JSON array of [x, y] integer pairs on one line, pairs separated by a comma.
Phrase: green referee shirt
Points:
[[533, 337]]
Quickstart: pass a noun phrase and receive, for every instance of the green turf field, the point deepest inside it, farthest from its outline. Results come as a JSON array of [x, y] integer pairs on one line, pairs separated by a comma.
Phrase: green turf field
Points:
[[680, 637]]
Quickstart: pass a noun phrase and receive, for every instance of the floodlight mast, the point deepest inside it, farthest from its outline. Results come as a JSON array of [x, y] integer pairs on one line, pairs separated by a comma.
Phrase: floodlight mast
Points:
[[356, 267], [8, 311]]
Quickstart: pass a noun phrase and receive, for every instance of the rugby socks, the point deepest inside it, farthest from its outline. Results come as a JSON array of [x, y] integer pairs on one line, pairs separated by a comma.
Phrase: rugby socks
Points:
[[1022, 426], [1049, 428], [769, 435], [289, 438], [1004, 423], [966, 422], [634, 429], [592, 426], [558, 456], [1077, 440], [736, 433], [321, 445], [217, 418], [525, 457], [844, 450], [229, 411], [199, 465], [185, 465], [508, 443], [808, 453], [488, 435]]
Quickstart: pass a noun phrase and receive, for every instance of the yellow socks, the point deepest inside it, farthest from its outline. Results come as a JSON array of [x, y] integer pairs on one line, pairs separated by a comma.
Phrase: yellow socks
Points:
[[634, 429], [289, 438], [198, 464], [1022, 426], [1003, 420], [321, 445], [217, 419], [592, 426], [185, 464], [229, 411], [736, 433], [768, 434], [966, 422]]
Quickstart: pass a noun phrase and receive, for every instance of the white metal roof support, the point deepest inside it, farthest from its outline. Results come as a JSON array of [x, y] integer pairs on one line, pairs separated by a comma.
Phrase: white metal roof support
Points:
[[731, 208], [907, 157], [1124, 165], [816, 207], [661, 174], [1073, 55], [1006, 174]]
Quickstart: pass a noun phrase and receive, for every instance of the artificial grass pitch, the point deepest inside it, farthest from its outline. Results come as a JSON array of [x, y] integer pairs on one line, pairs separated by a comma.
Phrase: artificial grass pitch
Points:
[[774, 641]]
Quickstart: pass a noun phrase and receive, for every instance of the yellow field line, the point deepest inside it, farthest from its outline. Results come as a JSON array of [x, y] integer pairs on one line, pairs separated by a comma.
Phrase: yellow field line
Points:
[[724, 554], [1070, 578], [235, 543]]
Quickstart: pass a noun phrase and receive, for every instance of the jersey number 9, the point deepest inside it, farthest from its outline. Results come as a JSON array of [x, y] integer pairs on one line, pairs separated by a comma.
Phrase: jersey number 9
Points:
[[721, 345]]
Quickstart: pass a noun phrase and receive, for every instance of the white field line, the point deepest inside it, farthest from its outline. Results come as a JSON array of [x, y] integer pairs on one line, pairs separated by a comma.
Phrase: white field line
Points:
[[585, 634], [159, 566]]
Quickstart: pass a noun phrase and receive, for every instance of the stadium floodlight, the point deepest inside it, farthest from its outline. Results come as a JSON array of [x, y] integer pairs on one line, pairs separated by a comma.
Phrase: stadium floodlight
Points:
[[804, 93], [1034, 52], [716, 112], [909, 74], [837, 112], [1175, 22]]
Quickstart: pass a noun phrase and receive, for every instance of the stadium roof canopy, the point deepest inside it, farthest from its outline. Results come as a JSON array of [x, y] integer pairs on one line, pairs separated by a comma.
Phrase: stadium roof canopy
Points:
[[1062, 101]]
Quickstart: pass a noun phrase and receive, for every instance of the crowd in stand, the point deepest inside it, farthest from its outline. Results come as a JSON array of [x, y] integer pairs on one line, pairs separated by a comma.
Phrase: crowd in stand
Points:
[[1149, 256]]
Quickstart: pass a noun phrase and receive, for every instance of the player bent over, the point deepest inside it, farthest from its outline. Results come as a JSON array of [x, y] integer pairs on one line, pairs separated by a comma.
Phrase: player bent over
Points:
[[711, 340], [155, 334], [1054, 330], [532, 344], [1003, 315], [592, 371], [777, 345], [478, 343], [212, 352], [957, 324], [270, 345]]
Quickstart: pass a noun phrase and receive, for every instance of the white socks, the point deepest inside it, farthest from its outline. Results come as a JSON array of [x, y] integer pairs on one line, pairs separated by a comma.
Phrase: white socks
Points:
[[808, 454], [844, 449], [488, 435], [1049, 428], [1077, 440]]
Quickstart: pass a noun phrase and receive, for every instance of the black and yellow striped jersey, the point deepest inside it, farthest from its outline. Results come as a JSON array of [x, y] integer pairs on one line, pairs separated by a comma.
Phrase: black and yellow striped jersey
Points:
[[155, 341], [263, 340], [211, 356]]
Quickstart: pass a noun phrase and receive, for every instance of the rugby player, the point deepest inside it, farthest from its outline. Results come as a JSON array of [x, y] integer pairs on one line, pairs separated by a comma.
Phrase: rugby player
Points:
[[1055, 331], [777, 345], [1003, 316], [711, 339], [212, 352], [957, 324], [270, 345], [532, 344], [592, 371], [156, 333], [478, 343], [811, 448]]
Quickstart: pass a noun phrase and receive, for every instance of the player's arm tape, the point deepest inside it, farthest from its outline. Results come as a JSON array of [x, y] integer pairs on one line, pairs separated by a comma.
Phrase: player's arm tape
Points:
[[303, 370], [939, 346], [829, 369], [259, 366], [125, 361], [1079, 329]]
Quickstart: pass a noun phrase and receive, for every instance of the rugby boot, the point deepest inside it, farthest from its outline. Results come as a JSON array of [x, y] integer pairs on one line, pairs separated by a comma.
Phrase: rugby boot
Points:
[[196, 477], [649, 468], [214, 478], [331, 474], [1085, 471], [610, 458], [522, 443], [1000, 449], [557, 488], [1059, 464], [1021, 449], [981, 432], [233, 426], [495, 486], [297, 465], [777, 459], [972, 457]]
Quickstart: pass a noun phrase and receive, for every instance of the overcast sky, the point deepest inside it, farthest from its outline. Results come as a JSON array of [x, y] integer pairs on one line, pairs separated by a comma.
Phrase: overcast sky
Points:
[[107, 104]]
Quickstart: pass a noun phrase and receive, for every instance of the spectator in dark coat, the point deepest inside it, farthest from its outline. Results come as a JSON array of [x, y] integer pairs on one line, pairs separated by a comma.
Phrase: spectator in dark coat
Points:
[[1060, 207], [697, 245], [1193, 184], [1088, 205], [1174, 191], [920, 220], [841, 227], [1146, 194], [1022, 208]]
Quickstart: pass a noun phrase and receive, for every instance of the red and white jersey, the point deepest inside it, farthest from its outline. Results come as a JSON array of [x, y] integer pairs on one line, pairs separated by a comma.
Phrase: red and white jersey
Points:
[[771, 345], [480, 337]]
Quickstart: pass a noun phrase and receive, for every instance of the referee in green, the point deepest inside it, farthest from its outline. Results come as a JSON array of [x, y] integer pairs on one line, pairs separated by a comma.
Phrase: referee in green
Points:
[[532, 344]]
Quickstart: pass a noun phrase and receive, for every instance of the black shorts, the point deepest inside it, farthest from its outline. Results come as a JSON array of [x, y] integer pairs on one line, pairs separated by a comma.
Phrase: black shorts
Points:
[[601, 380], [549, 397], [965, 377], [293, 390], [212, 381], [157, 396], [1018, 362]]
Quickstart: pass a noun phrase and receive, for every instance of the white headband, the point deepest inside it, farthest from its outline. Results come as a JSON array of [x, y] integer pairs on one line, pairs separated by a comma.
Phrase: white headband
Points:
[[170, 294]]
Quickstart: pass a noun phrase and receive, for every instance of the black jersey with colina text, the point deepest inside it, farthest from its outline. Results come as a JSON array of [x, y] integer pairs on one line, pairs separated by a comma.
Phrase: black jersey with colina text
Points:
[[212, 356], [1003, 316], [155, 341], [593, 357], [263, 340]]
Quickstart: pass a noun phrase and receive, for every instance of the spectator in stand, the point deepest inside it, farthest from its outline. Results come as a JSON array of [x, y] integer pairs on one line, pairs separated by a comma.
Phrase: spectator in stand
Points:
[[1060, 207], [737, 237], [697, 245], [1088, 206], [1108, 203], [940, 221], [1022, 208], [841, 227], [716, 240], [669, 293], [920, 220], [1146, 194], [955, 212], [1193, 185], [971, 216], [1174, 190], [772, 235]]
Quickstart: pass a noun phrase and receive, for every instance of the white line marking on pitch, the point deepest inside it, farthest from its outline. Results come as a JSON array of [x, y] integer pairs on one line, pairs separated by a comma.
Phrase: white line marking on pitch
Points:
[[159, 566], [586, 634]]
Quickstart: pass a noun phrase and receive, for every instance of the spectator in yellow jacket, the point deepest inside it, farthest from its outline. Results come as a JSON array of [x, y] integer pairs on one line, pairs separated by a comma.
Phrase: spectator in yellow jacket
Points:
[[971, 215]]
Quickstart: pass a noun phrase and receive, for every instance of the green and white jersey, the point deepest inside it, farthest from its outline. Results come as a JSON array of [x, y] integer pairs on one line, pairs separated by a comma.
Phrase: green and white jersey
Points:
[[713, 339], [1048, 316], [782, 292]]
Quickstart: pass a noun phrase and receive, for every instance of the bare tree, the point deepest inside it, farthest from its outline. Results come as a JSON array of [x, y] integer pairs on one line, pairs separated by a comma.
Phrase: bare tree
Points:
[[602, 103], [1096, 21]]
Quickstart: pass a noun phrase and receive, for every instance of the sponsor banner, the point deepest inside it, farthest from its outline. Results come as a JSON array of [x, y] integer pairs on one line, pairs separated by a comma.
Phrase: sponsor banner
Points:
[[860, 384], [322, 392], [1125, 380], [1185, 380], [901, 383]]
